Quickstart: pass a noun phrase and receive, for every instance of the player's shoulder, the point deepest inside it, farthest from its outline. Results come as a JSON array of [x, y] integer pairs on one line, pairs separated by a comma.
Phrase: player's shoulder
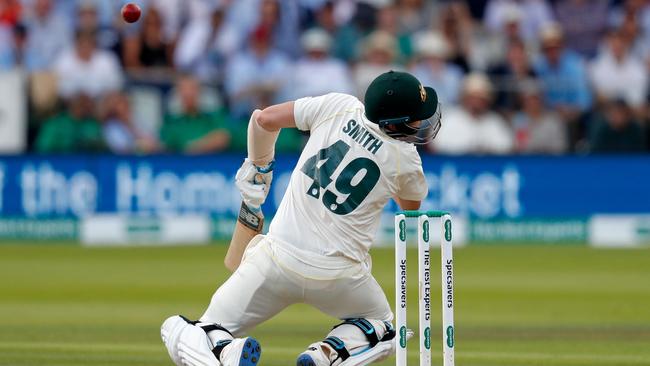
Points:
[[342, 100], [329, 102], [311, 112]]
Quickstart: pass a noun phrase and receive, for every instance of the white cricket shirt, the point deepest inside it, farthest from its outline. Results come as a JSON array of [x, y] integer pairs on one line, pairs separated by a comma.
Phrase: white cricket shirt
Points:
[[346, 173]]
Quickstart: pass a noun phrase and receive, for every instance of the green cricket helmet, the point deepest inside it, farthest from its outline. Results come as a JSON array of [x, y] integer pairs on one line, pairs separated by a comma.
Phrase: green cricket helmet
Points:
[[395, 100]]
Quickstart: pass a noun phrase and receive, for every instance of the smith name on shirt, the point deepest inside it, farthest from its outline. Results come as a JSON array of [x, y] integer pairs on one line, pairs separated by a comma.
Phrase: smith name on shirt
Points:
[[362, 136]]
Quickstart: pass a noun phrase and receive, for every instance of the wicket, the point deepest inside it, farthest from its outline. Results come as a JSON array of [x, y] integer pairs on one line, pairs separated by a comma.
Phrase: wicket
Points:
[[424, 288]]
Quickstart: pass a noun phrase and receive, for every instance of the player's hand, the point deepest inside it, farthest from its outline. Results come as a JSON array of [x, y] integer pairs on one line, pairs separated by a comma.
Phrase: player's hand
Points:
[[254, 183]]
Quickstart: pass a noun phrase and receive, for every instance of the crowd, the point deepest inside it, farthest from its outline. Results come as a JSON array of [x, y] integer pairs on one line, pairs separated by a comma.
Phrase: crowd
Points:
[[513, 76]]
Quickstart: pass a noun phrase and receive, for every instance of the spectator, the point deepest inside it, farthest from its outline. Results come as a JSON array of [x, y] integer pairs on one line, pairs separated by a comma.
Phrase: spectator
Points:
[[194, 131], [638, 10], [472, 48], [584, 23], [107, 11], [255, 75], [204, 46], [317, 73], [7, 49], [48, 36], [379, 57], [511, 31], [511, 27], [509, 76], [456, 30], [88, 20], [432, 69], [279, 17], [564, 76], [533, 16], [472, 128], [64, 8], [121, 135], [538, 130], [76, 130], [616, 73], [617, 131], [172, 13], [149, 48], [201, 9], [387, 21], [349, 36], [19, 44], [415, 15], [634, 38], [324, 17], [10, 12], [86, 13], [86, 69]]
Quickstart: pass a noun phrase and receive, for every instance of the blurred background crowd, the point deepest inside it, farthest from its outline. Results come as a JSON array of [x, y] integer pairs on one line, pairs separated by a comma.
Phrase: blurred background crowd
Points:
[[513, 76]]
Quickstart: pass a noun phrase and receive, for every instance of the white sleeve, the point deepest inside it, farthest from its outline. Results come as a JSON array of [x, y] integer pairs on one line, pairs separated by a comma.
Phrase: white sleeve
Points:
[[411, 184], [310, 112], [113, 73], [191, 45], [638, 91], [501, 140]]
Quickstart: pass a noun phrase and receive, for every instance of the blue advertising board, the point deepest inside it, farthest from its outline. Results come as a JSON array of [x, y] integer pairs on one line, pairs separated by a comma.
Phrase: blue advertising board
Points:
[[475, 187]]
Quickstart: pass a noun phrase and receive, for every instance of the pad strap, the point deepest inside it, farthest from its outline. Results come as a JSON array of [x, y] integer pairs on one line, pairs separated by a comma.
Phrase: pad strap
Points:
[[207, 328], [210, 327], [390, 332], [338, 346], [216, 351], [365, 326], [192, 322]]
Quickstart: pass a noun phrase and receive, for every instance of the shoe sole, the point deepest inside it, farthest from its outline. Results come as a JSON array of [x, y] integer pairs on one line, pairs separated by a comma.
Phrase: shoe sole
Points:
[[250, 353], [305, 360]]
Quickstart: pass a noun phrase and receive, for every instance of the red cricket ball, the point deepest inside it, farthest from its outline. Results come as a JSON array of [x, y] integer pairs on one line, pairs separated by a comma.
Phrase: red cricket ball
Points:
[[131, 13]]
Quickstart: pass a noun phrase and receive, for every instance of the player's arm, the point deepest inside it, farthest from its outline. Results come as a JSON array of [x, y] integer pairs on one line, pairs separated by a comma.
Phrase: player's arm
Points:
[[254, 178], [277, 116], [263, 130], [412, 186], [407, 204]]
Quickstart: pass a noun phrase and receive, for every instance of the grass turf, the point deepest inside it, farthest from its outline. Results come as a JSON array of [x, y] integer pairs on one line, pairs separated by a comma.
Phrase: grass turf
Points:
[[515, 305]]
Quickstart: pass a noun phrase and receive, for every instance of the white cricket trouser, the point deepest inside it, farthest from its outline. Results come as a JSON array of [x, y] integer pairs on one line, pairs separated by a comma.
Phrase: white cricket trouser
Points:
[[273, 276]]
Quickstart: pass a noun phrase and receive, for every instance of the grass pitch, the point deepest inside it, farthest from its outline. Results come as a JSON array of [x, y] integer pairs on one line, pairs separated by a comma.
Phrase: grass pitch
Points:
[[66, 305]]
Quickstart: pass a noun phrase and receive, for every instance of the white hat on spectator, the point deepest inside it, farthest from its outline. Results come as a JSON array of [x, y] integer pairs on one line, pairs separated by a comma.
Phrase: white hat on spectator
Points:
[[512, 14], [381, 41], [477, 84], [316, 39], [551, 34], [378, 4], [87, 5], [431, 44]]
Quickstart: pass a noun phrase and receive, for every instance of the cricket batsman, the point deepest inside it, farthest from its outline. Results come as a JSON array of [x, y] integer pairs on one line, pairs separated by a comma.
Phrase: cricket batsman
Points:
[[316, 251]]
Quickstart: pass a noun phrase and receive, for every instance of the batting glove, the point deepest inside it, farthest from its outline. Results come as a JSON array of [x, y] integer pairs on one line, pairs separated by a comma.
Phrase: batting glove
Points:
[[254, 183]]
